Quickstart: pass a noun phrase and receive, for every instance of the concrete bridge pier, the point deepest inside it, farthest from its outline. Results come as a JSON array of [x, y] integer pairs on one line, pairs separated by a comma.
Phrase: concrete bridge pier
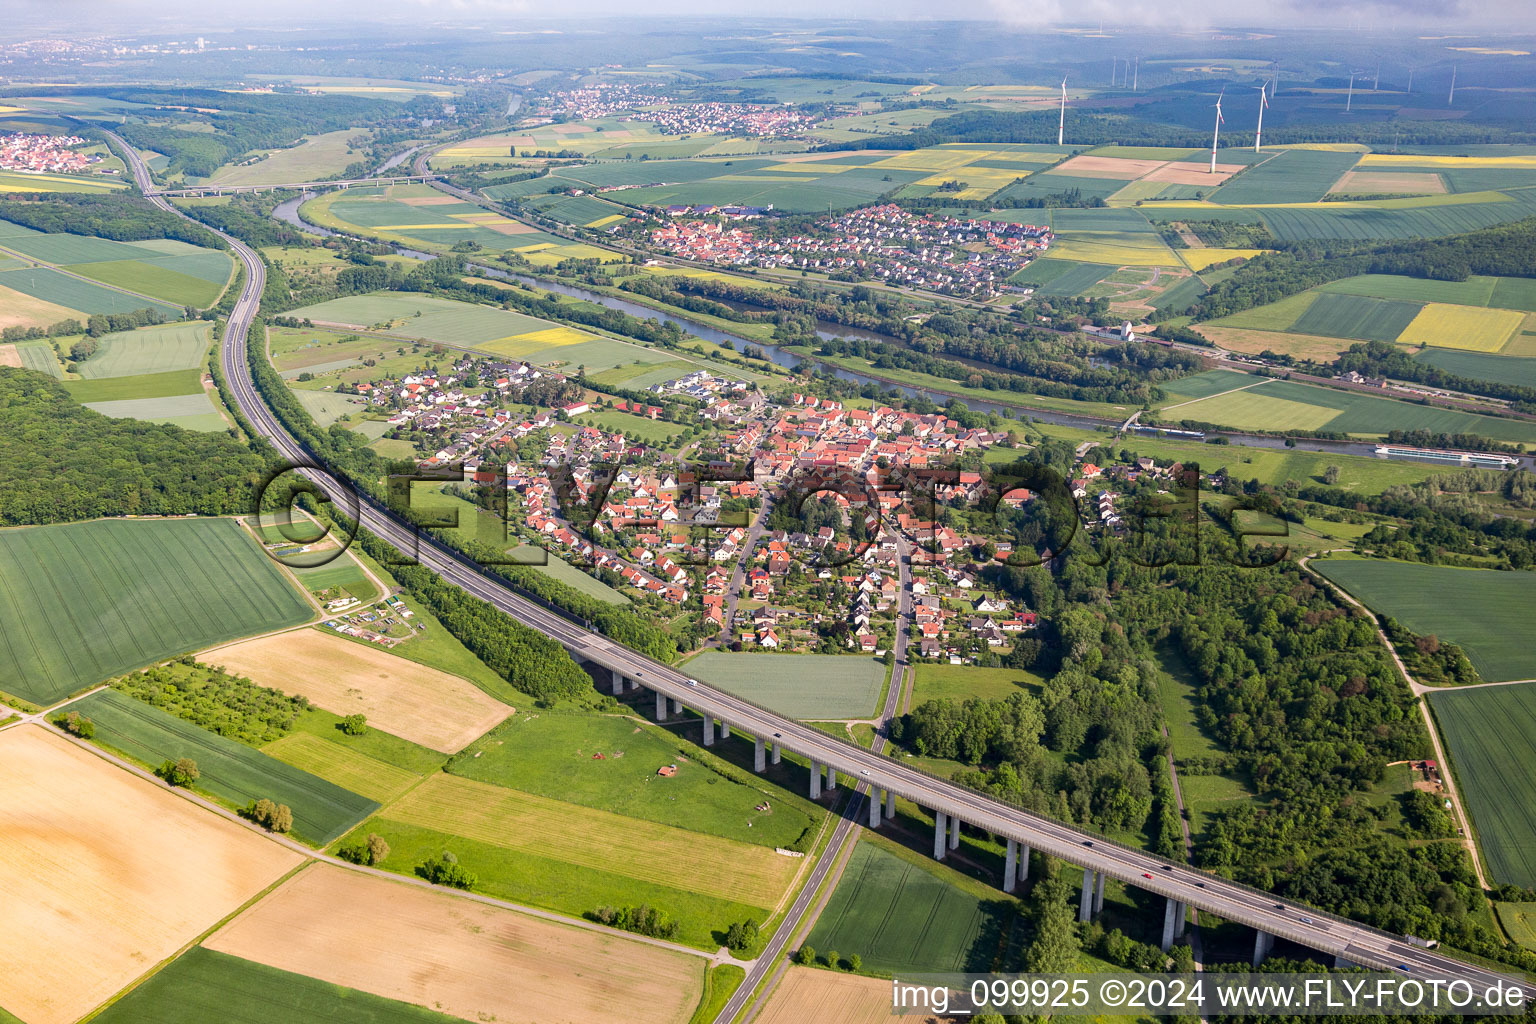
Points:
[[1341, 964], [1085, 904], [1098, 895], [954, 832], [1015, 865], [759, 756], [618, 682], [634, 684], [661, 708], [725, 729], [709, 731], [938, 835], [815, 781], [890, 805], [874, 807], [1173, 923], [677, 707], [1263, 942], [775, 758], [831, 778]]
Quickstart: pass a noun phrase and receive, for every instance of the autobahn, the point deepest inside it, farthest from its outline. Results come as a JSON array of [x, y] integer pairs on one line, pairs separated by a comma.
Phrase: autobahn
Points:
[[1296, 922]]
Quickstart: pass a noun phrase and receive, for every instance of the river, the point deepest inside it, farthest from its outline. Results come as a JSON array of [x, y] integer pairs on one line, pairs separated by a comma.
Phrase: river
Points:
[[289, 213]]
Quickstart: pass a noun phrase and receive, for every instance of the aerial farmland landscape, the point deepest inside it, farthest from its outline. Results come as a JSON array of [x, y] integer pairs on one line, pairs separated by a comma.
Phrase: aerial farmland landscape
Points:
[[767, 514]]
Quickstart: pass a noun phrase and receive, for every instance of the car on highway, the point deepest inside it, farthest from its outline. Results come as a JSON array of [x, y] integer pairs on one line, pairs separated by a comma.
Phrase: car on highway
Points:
[[1146, 874], [693, 682], [1306, 920]]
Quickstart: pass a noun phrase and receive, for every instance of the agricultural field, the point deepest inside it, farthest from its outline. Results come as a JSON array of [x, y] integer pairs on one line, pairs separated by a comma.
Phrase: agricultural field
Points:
[[1061, 277], [1488, 734], [959, 682], [420, 704], [1357, 317], [551, 564], [609, 763], [1480, 610], [1519, 921], [635, 428], [422, 217], [1385, 219], [428, 318], [805, 686], [90, 904], [807, 993], [472, 961], [97, 275], [902, 913], [83, 602], [1278, 405], [1211, 382], [1470, 328], [316, 158], [148, 350], [573, 859], [1290, 176], [231, 771], [1497, 292], [201, 985], [1482, 366], [17, 181], [190, 412]]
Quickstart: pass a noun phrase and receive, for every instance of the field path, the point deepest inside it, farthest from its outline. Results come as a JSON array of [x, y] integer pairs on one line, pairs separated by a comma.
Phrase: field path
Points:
[[44, 265], [1419, 690]]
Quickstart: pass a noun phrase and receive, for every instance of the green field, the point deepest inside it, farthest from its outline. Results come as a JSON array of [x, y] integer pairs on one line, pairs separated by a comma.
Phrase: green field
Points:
[[1176, 696], [1281, 405], [1356, 316], [554, 566], [1291, 176], [171, 384], [155, 279], [1062, 277], [326, 407], [1483, 611], [958, 682], [1519, 920], [1488, 734], [191, 412], [1482, 365], [231, 771], [1474, 291], [426, 317], [556, 755], [202, 986], [148, 350], [73, 293], [804, 686], [635, 428], [1426, 217], [86, 601], [1211, 382], [901, 913]]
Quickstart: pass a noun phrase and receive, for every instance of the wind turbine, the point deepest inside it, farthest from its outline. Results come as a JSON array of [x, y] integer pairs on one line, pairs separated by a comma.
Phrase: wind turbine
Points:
[[1351, 97], [1114, 70], [1061, 126], [1216, 134], [1410, 81], [1136, 75], [1258, 132], [1453, 86], [1376, 82]]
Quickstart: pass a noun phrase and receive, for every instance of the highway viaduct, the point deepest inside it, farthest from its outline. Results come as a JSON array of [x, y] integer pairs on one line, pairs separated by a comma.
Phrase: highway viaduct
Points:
[[831, 759]]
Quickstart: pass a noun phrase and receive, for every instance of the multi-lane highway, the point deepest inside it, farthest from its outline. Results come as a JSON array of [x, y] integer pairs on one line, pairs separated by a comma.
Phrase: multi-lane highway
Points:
[[857, 765]]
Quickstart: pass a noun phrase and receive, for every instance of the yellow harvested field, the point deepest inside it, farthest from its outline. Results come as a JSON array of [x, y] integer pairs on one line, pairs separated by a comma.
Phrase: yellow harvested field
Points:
[[9, 356], [808, 994], [585, 837], [1377, 182], [1411, 160], [342, 765], [1524, 343], [931, 159], [1474, 328], [1086, 249], [417, 703], [460, 225], [602, 222], [104, 875], [1198, 259], [1253, 342], [18, 309], [459, 957], [556, 336], [989, 178]]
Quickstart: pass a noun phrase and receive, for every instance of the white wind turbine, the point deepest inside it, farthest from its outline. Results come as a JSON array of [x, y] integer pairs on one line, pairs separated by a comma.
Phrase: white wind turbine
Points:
[[1258, 132], [1216, 134], [1061, 126]]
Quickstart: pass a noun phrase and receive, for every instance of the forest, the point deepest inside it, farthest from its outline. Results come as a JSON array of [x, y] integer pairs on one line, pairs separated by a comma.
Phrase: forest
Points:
[[66, 462], [122, 218]]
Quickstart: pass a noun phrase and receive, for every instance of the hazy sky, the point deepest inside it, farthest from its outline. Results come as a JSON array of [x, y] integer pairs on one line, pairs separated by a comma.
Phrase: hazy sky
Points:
[[85, 16]]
